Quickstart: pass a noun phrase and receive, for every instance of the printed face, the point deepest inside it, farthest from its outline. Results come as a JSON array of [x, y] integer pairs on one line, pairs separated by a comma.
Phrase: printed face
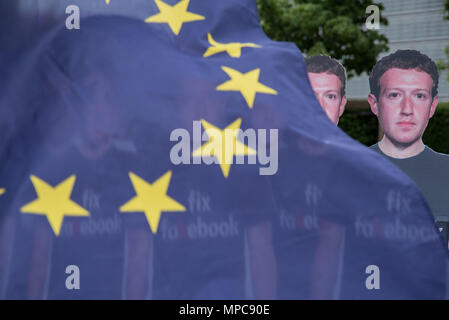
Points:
[[327, 88], [405, 105]]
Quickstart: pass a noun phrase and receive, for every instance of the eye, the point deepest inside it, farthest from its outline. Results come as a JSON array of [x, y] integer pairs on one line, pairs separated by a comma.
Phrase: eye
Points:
[[393, 95], [332, 96], [421, 95]]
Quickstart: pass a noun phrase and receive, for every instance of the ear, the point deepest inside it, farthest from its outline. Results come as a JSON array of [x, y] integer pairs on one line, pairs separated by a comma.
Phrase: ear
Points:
[[342, 106], [372, 100], [433, 106]]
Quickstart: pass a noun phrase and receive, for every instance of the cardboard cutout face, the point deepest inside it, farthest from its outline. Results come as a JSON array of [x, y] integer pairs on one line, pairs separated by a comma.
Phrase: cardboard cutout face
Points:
[[405, 105], [327, 88]]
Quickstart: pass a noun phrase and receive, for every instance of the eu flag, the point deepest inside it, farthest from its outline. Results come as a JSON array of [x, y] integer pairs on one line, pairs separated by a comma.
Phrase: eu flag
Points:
[[170, 150]]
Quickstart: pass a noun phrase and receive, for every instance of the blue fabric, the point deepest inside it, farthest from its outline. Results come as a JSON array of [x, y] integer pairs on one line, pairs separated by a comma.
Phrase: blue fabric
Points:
[[102, 101]]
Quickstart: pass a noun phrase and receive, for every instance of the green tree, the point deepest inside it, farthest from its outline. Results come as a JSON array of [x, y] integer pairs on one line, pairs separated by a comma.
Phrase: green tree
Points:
[[446, 8], [333, 27], [444, 65]]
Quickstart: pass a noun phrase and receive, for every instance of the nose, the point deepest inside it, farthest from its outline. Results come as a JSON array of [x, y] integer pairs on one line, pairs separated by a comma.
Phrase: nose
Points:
[[406, 106]]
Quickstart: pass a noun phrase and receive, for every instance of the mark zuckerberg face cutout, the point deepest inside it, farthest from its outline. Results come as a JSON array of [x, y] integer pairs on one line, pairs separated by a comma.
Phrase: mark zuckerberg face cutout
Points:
[[404, 105], [327, 88]]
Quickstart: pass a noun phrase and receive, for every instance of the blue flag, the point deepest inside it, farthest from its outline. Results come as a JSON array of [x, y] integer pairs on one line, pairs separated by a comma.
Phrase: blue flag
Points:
[[170, 150]]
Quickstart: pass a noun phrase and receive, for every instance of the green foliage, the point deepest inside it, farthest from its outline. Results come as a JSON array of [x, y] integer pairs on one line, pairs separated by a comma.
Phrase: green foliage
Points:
[[328, 27], [360, 125], [444, 65], [446, 8], [436, 135]]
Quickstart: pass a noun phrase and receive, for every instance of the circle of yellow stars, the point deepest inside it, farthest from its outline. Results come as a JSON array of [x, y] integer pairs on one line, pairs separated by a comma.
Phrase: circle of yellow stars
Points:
[[151, 198]]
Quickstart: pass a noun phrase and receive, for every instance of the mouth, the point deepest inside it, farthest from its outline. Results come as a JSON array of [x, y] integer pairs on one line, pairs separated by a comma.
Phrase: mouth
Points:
[[405, 124]]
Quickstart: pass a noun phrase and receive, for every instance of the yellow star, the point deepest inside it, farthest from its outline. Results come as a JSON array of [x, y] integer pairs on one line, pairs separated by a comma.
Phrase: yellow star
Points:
[[234, 49], [223, 145], [2, 191], [151, 199], [107, 1], [175, 15], [247, 83], [54, 202]]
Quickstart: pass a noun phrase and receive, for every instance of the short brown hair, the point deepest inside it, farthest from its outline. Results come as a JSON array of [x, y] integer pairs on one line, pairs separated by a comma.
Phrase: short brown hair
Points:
[[323, 63], [403, 59]]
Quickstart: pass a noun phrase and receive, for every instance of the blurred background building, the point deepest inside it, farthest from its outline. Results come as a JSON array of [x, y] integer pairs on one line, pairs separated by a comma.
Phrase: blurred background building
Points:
[[412, 24]]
